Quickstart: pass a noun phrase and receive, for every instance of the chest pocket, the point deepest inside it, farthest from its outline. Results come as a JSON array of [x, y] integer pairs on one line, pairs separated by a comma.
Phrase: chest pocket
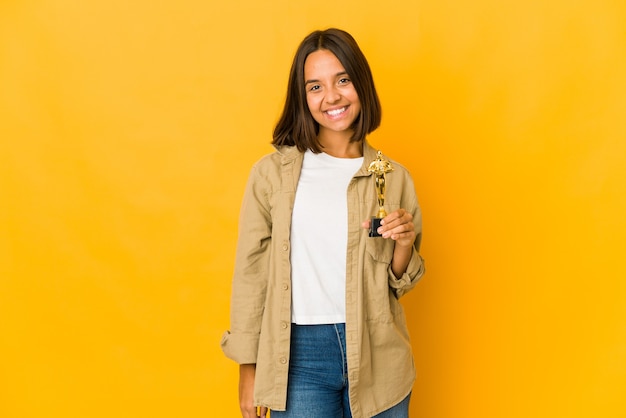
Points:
[[382, 305], [380, 249]]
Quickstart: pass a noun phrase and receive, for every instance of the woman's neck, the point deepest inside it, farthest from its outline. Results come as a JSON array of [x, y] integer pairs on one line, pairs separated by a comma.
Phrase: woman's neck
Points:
[[337, 144]]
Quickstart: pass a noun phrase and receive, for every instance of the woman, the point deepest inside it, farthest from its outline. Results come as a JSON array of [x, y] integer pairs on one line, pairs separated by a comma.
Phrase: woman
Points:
[[316, 325]]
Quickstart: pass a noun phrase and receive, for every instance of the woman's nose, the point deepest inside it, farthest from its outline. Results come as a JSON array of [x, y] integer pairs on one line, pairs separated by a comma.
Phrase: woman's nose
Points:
[[333, 95]]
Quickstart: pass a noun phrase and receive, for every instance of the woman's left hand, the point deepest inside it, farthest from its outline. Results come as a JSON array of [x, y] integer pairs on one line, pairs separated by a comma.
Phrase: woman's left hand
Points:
[[398, 226]]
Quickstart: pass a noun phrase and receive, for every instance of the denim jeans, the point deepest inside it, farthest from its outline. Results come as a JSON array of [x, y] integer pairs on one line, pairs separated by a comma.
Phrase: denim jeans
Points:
[[318, 375]]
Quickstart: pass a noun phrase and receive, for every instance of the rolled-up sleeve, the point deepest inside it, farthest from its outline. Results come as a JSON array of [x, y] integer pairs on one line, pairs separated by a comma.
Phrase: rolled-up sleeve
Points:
[[250, 276], [415, 269]]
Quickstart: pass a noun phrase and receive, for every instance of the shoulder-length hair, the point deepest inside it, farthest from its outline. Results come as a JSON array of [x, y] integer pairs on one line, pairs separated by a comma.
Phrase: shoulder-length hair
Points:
[[296, 125]]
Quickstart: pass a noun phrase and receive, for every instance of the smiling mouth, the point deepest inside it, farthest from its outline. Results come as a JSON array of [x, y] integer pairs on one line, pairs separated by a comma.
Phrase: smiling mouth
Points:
[[336, 112]]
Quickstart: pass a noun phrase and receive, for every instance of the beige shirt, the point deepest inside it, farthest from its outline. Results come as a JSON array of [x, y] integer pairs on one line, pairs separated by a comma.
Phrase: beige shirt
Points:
[[380, 361]]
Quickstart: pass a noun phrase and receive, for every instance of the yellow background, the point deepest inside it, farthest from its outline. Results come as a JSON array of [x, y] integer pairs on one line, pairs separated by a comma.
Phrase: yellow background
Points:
[[127, 130]]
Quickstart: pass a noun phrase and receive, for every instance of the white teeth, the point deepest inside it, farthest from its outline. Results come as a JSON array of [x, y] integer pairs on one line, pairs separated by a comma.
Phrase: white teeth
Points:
[[336, 111]]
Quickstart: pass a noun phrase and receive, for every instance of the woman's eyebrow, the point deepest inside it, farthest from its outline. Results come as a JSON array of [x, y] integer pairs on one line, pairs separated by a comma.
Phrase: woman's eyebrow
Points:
[[317, 81]]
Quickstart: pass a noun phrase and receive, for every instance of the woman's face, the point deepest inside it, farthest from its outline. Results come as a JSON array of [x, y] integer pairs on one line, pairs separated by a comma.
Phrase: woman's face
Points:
[[330, 94]]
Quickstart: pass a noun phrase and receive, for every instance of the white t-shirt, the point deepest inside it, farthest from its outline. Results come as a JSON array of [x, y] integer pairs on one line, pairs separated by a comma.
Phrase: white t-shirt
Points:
[[319, 234]]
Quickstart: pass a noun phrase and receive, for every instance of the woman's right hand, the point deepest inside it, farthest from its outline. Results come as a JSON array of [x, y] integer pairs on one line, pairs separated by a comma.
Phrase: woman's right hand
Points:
[[246, 393]]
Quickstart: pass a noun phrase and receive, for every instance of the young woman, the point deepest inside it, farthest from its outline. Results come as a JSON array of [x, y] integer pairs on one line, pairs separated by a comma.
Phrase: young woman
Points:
[[316, 325]]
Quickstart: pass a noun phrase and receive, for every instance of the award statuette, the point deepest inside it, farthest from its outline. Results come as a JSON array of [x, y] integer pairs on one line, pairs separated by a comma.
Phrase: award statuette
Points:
[[379, 167]]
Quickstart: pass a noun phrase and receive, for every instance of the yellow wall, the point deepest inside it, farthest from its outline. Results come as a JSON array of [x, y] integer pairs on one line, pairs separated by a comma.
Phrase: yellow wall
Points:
[[127, 130]]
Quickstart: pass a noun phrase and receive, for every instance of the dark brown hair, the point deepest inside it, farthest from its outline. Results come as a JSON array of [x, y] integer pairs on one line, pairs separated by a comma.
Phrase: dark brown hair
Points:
[[296, 125]]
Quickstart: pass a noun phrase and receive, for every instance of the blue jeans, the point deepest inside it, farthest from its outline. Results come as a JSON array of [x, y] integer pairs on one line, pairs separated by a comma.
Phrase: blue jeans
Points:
[[318, 375]]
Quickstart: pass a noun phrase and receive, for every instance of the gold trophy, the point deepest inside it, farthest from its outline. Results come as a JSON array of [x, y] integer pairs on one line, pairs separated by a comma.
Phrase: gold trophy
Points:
[[379, 167]]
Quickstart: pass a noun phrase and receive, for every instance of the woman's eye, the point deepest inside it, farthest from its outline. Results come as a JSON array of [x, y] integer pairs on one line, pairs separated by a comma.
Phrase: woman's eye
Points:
[[344, 81], [314, 88]]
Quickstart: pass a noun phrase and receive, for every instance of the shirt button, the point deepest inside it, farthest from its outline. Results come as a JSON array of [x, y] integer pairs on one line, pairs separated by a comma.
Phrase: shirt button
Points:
[[283, 360], [285, 286], [283, 325], [285, 247]]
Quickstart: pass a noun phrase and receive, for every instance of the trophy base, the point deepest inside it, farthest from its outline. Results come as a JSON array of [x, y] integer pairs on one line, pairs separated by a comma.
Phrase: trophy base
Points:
[[374, 225]]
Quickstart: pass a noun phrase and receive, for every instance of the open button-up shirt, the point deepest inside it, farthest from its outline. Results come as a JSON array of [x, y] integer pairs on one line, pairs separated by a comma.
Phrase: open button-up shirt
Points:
[[380, 361]]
